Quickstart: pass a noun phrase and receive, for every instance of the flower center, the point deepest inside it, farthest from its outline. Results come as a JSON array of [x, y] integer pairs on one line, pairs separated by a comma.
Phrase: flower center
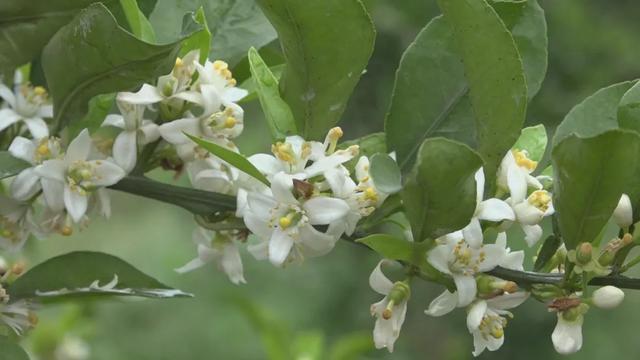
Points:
[[81, 177], [466, 260], [222, 68], [522, 159], [541, 199], [47, 148], [493, 325], [10, 230]]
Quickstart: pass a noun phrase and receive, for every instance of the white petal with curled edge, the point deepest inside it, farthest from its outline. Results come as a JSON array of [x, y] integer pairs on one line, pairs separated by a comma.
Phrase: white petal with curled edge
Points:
[[190, 266], [324, 210], [528, 214], [234, 94], [473, 233], [115, 120], [75, 203], [150, 132], [508, 301], [280, 246], [567, 335], [104, 202], [495, 210], [439, 256], [25, 185], [79, 148], [8, 117], [23, 149], [37, 127], [282, 187], [266, 164], [54, 169], [516, 178], [231, 263], [7, 95], [493, 255], [467, 289], [443, 304], [174, 131], [125, 150], [53, 191], [106, 173], [476, 313], [145, 96], [532, 234], [379, 282]]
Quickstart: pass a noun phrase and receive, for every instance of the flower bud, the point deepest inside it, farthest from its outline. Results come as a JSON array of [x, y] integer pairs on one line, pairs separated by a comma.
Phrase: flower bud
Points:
[[623, 214], [584, 253], [608, 297]]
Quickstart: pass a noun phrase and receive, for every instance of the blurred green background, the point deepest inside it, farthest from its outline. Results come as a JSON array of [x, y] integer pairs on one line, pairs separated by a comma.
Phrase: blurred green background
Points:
[[326, 301]]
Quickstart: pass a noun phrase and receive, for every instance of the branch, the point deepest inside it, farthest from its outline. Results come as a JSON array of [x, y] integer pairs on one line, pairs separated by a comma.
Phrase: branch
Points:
[[198, 202], [528, 277]]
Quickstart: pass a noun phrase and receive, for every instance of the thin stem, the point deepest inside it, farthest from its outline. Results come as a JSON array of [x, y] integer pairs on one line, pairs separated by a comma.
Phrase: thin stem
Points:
[[630, 264], [528, 277]]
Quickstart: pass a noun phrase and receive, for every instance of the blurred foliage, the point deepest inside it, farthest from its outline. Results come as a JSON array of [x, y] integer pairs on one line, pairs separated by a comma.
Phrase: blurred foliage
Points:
[[321, 307]]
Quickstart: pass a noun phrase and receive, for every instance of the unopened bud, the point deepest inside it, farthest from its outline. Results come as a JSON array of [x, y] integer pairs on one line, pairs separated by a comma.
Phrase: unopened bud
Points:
[[608, 297], [400, 292], [490, 287], [584, 253], [574, 313], [623, 214], [18, 268]]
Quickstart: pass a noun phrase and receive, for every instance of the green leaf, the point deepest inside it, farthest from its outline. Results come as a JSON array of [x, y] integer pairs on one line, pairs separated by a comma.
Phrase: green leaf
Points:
[[352, 346], [276, 111], [235, 25], [390, 247], [385, 173], [85, 273], [327, 45], [308, 345], [431, 94], [494, 70], [234, 159], [629, 109], [440, 193], [10, 166], [273, 332], [534, 140], [140, 25], [11, 350], [99, 108], [98, 66], [548, 249], [250, 84], [201, 39], [594, 115], [590, 174]]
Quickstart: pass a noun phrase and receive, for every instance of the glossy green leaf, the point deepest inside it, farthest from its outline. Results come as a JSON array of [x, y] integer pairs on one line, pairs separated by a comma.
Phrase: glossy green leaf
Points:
[[276, 111], [494, 70], [327, 45], [369, 145], [235, 25], [390, 247], [10, 350], [139, 24], [594, 115], [99, 108], [201, 39], [590, 174], [106, 59], [10, 166], [439, 195], [250, 84], [629, 109], [87, 273], [533, 139], [234, 159], [385, 173], [548, 249], [431, 94]]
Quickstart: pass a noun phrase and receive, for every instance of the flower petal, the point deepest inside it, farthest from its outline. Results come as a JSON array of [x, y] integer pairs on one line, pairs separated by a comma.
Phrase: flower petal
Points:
[[439, 256], [494, 210], [145, 96], [54, 169], [150, 132], [173, 132], [282, 186], [234, 94], [378, 281], [53, 191], [190, 266], [532, 234], [125, 150], [324, 210], [231, 263], [466, 286], [508, 301], [79, 148], [75, 203], [516, 178], [8, 117], [280, 246], [567, 335], [25, 185], [443, 304], [473, 233], [479, 176], [7, 95], [22, 148], [115, 120], [106, 173], [476, 314], [267, 164]]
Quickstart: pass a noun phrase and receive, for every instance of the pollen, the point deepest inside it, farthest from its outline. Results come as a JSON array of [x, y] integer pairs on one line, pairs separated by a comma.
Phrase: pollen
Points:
[[387, 313], [540, 199], [371, 194], [497, 332], [39, 90], [179, 62], [219, 65], [283, 151], [230, 122], [522, 159]]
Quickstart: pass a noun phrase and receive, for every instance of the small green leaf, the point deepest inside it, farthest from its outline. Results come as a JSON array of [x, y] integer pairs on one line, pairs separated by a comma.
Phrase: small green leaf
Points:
[[10, 166], [327, 45], [140, 25], [495, 73], [594, 115], [86, 273], [390, 247], [11, 350], [234, 159], [99, 108], [534, 140], [106, 59], [440, 193], [385, 173], [276, 111], [352, 346], [250, 84], [200, 40], [548, 249], [629, 109], [590, 174]]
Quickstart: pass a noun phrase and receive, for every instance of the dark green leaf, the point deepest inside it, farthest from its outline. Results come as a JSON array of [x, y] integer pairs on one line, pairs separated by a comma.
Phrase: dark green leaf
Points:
[[548, 249], [236, 25], [494, 70], [139, 24], [234, 159], [629, 109], [440, 193], [385, 173], [276, 111], [534, 140], [390, 247], [589, 177], [200, 40], [327, 45], [85, 273], [9, 350], [105, 59], [594, 115], [10, 166]]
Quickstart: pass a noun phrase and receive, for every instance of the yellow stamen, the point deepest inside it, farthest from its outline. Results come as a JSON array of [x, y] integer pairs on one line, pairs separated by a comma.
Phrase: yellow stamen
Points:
[[66, 230], [220, 65], [230, 122], [541, 199], [497, 332], [522, 159], [284, 222], [371, 194], [39, 90], [179, 62], [43, 149]]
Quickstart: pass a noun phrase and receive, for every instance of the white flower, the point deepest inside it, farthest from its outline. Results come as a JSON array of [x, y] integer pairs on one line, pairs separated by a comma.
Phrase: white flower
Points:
[[218, 247], [486, 320], [76, 178], [455, 257], [490, 210], [517, 167], [28, 183], [530, 211], [212, 174], [389, 312], [623, 214], [285, 224], [218, 75], [19, 316], [29, 105], [443, 304], [608, 297], [16, 223], [567, 335], [136, 132], [513, 260]]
